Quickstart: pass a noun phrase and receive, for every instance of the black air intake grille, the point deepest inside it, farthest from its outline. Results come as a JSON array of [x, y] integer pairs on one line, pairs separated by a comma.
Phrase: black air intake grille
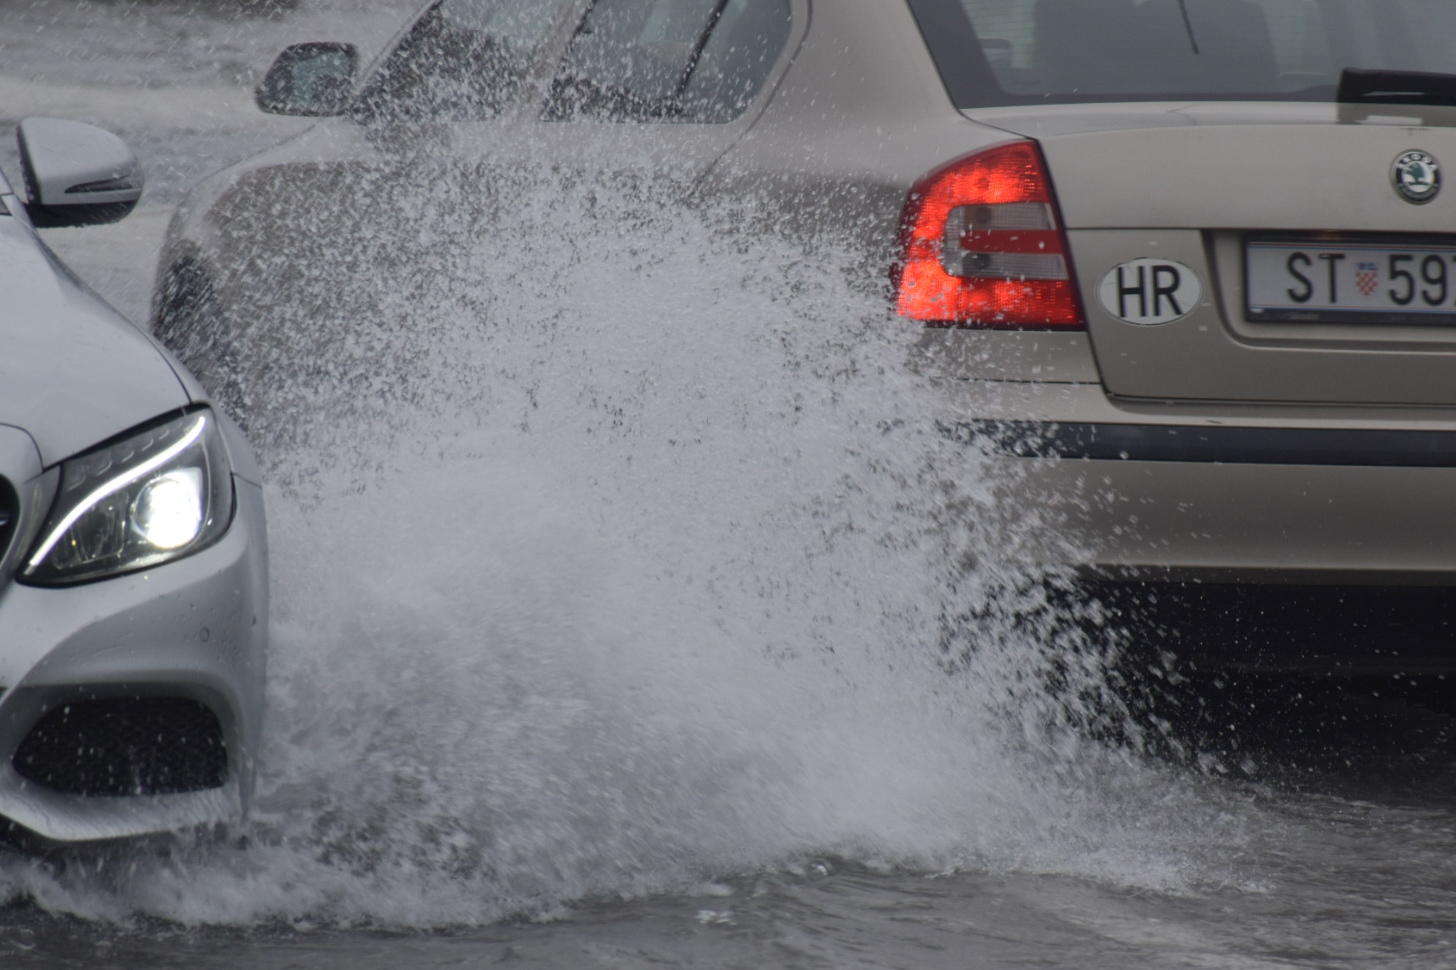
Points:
[[125, 746]]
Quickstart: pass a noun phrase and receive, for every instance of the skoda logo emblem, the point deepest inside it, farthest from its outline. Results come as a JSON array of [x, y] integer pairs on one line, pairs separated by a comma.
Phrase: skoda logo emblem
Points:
[[1417, 177]]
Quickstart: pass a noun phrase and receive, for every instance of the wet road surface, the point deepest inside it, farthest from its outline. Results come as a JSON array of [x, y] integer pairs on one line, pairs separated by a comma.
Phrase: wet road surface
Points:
[[857, 830]]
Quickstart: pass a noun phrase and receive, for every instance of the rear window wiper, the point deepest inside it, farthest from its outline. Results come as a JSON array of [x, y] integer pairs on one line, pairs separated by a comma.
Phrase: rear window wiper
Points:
[[1361, 86]]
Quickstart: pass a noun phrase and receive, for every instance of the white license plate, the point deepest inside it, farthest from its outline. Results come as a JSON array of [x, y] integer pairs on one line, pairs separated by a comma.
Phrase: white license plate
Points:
[[1341, 281]]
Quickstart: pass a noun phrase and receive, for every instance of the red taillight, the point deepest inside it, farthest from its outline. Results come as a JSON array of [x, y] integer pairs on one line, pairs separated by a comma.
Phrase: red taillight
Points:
[[983, 245]]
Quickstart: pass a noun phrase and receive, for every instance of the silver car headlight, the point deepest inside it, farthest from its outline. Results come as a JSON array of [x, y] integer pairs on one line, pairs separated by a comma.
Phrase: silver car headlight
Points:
[[152, 497]]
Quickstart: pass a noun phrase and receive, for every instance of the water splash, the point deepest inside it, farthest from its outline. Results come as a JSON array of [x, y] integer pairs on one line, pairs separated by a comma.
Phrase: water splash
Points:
[[616, 548]]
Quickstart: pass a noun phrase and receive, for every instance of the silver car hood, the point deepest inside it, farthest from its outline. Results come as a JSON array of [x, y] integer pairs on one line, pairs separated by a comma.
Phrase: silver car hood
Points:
[[73, 371]]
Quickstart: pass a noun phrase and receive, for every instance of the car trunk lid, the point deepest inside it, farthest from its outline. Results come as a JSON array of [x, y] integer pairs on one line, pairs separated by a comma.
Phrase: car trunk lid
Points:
[[1236, 195]]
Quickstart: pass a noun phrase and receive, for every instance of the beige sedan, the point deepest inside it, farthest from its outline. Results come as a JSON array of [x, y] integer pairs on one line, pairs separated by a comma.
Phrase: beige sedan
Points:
[[1188, 264]]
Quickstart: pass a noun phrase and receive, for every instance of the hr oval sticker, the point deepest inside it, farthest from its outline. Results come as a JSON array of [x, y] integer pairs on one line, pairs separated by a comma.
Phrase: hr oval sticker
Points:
[[1150, 292]]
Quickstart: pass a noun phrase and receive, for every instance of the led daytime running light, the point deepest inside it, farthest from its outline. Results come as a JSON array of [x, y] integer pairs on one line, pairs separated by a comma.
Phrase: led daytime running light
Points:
[[114, 486]]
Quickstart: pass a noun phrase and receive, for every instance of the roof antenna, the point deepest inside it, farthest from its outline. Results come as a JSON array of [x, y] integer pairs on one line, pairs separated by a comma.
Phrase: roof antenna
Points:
[[1187, 23]]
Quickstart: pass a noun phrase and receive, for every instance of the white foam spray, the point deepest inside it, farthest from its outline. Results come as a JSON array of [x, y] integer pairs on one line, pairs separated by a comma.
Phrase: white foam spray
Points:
[[615, 550]]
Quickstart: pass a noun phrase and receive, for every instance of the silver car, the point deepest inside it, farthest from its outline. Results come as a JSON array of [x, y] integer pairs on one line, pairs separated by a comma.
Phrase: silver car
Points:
[[1186, 265], [133, 566]]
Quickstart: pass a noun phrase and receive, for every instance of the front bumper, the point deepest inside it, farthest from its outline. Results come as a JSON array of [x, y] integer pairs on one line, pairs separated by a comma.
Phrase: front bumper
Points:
[[194, 629]]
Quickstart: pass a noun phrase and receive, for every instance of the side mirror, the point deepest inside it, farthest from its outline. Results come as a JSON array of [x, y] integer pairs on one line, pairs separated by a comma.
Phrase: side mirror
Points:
[[75, 174], [313, 80]]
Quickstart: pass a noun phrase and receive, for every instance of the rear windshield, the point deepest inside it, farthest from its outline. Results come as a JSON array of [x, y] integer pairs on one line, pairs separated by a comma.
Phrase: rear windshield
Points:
[[1008, 52]]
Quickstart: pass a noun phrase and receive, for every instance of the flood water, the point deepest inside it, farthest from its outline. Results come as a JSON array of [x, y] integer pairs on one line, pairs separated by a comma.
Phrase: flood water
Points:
[[626, 616]]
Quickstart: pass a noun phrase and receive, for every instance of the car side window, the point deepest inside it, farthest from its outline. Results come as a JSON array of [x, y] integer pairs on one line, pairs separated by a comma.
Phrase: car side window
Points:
[[669, 60], [462, 61], [735, 62]]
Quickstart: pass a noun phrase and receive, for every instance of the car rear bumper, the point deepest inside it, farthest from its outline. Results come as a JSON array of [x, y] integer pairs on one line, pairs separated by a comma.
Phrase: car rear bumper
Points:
[[1291, 539], [189, 633], [1235, 494]]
